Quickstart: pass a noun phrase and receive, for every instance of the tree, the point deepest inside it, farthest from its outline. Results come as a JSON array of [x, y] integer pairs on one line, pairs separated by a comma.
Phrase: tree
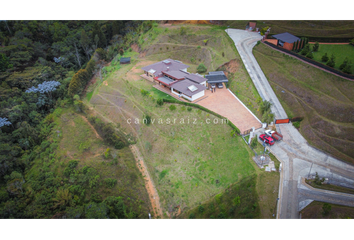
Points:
[[324, 58], [348, 68], [115, 28], [4, 63], [326, 208], [201, 68], [331, 62], [63, 198], [315, 47], [100, 40], [85, 43], [201, 209], [344, 64], [309, 55], [90, 67], [352, 42], [254, 142], [306, 50]]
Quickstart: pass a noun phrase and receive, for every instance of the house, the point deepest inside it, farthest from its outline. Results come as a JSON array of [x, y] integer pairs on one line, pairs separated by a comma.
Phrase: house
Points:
[[285, 40], [188, 89], [124, 60], [155, 70], [173, 75], [216, 77]]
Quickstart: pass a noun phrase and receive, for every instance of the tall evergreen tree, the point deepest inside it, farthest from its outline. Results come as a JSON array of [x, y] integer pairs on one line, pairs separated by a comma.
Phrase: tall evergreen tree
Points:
[[324, 58], [115, 28], [344, 64], [331, 62]]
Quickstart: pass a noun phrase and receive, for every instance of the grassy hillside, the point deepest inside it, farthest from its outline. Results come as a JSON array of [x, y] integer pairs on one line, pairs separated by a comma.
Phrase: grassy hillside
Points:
[[189, 163], [326, 101], [74, 175]]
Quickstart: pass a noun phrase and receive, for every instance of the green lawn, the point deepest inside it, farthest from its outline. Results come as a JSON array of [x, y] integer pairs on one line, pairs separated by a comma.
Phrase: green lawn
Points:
[[339, 51]]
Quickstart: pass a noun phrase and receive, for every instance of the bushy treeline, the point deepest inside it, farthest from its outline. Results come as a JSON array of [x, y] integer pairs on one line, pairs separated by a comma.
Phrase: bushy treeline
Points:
[[60, 56], [108, 133]]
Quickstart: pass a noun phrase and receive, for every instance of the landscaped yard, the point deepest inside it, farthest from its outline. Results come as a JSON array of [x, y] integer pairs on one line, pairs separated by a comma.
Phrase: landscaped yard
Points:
[[338, 50]]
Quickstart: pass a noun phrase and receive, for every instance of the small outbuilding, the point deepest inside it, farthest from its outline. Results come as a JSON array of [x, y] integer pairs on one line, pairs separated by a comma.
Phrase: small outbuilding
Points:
[[125, 60], [286, 40], [216, 77]]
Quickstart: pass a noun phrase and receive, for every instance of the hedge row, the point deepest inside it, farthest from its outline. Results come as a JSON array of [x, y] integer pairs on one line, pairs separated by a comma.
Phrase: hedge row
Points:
[[204, 109], [311, 61]]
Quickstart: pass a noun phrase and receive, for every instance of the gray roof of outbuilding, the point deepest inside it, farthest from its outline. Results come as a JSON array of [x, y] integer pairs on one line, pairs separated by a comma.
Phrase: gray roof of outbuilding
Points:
[[182, 86], [286, 37], [127, 59], [216, 78], [165, 80]]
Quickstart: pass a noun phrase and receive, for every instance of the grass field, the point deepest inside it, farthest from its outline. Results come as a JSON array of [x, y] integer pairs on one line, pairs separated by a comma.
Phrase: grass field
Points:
[[314, 211], [325, 101], [340, 52]]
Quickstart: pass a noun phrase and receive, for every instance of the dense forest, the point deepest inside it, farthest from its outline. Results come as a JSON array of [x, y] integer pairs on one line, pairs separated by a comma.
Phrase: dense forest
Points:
[[45, 65]]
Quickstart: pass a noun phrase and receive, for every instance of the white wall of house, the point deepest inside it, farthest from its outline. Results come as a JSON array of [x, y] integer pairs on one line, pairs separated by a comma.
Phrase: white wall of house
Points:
[[203, 83], [198, 95], [194, 97]]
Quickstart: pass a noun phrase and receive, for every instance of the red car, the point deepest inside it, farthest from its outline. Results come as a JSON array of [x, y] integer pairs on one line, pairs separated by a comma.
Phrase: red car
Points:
[[267, 139]]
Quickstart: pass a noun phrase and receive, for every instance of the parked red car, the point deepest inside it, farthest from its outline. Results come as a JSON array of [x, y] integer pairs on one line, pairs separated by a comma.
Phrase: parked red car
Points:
[[267, 139]]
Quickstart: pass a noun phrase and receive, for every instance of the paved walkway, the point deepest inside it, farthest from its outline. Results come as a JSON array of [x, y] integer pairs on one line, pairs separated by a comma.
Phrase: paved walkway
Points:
[[298, 158]]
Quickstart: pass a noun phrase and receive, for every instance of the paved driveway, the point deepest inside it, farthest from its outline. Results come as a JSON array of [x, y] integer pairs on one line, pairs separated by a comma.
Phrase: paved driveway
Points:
[[224, 103]]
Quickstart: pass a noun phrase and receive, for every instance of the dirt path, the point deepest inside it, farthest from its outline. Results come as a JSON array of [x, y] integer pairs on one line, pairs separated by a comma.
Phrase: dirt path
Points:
[[94, 130], [153, 195]]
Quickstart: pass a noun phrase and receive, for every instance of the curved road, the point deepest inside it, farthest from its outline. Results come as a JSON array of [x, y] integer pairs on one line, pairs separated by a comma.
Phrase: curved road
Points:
[[298, 158]]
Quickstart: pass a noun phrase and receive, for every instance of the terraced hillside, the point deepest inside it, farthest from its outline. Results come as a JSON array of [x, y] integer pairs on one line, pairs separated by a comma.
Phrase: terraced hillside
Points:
[[325, 101]]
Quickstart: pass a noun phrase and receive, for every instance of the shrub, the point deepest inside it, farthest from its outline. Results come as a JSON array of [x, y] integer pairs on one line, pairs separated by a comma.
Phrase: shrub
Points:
[[144, 92], [159, 102], [254, 142], [147, 120], [189, 109], [110, 182], [324, 58], [344, 64], [107, 153], [191, 216], [223, 54], [201, 209], [309, 55], [183, 108], [72, 164], [326, 208], [199, 47], [331, 62], [172, 107], [315, 47], [182, 31], [201, 68], [348, 68]]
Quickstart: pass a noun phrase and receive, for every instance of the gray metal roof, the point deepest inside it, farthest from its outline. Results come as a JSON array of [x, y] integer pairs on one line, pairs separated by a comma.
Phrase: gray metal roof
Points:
[[196, 78], [179, 75], [161, 66], [216, 78], [217, 73], [182, 86], [286, 37], [165, 80], [125, 60]]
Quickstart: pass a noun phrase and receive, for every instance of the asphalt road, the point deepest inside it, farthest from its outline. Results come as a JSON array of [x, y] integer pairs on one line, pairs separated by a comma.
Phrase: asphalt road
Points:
[[299, 159]]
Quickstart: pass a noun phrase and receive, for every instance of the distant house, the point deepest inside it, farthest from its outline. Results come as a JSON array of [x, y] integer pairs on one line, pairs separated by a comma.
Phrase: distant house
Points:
[[285, 40], [124, 60], [173, 75], [251, 25], [216, 77]]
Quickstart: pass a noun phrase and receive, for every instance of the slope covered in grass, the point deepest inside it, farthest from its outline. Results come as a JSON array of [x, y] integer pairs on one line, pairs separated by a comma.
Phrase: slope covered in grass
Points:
[[325, 101]]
